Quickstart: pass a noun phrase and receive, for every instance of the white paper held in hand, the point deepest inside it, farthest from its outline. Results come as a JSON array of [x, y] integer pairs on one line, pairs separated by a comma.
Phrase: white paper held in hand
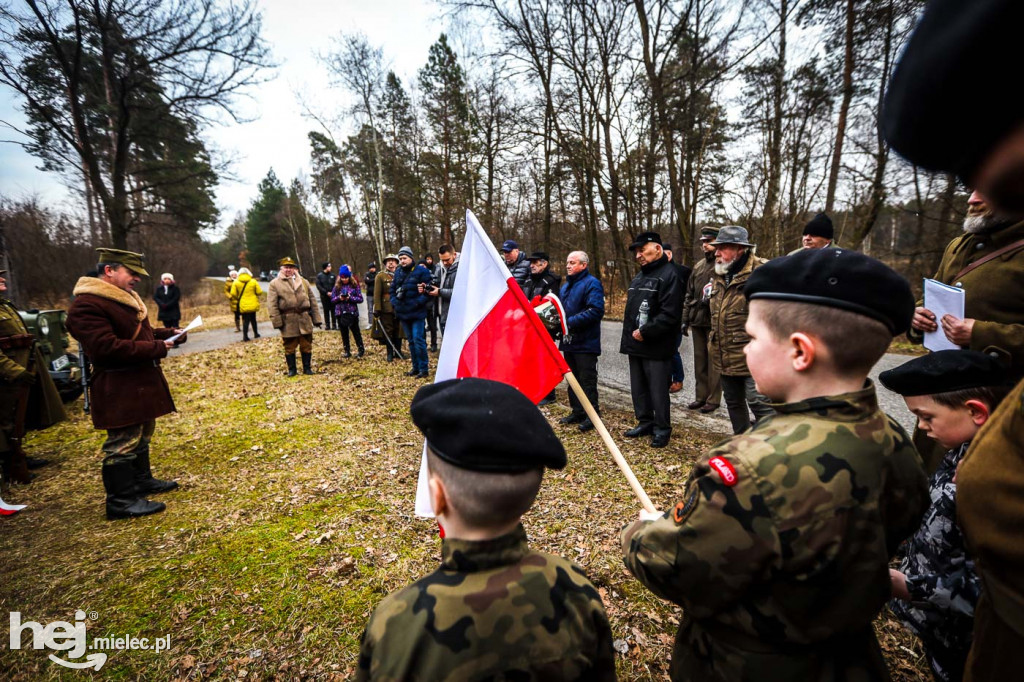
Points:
[[191, 325], [942, 299]]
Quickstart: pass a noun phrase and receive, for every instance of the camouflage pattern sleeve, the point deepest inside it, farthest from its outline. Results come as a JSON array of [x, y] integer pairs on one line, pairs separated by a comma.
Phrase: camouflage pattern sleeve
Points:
[[707, 551], [906, 496], [955, 592]]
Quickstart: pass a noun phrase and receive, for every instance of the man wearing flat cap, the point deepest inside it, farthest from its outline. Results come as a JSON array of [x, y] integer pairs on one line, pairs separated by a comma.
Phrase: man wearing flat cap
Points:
[[29, 400], [650, 326], [494, 606], [294, 311], [697, 323], [128, 390], [929, 121], [735, 261]]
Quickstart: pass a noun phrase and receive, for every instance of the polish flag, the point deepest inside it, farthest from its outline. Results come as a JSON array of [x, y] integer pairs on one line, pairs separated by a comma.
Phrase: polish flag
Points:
[[10, 509], [492, 332]]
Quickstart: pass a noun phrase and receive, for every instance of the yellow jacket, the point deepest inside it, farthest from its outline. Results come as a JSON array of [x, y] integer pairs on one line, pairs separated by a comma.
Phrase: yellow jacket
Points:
[[246, 291]]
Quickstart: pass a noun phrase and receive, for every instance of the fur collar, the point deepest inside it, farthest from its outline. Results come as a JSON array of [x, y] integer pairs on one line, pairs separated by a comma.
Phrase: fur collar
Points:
[[97, 287]]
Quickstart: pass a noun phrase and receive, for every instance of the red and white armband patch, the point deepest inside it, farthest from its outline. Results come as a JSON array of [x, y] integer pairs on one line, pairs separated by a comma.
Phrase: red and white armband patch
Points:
[[725, 470]]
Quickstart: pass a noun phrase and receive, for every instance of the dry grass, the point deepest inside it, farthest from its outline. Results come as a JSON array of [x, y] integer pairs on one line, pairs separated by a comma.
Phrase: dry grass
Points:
[[294, 520]]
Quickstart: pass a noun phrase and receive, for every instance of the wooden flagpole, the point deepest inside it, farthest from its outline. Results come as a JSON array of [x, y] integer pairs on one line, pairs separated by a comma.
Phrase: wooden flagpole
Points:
[[638, 489]]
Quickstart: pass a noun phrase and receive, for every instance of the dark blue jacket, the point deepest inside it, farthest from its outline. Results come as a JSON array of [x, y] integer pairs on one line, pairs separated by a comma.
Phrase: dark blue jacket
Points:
[[409, 303], [583, 299]]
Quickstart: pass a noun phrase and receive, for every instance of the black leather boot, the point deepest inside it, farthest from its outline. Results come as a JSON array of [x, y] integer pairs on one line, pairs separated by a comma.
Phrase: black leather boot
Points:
[[307, 363], [391, 354], [144, 481], [290, 359], [122, 500], [362, 350]]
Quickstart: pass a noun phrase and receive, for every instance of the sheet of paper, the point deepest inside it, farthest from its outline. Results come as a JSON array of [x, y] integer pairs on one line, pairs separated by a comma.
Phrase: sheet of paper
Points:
[[942, 299], [191, 325]]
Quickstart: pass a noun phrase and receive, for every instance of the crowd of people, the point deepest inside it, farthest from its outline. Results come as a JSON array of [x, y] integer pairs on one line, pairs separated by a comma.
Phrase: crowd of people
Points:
[[780, 547]]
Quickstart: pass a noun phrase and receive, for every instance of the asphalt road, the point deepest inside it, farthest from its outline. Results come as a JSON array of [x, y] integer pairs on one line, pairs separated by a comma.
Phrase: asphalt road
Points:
[[613, 373]]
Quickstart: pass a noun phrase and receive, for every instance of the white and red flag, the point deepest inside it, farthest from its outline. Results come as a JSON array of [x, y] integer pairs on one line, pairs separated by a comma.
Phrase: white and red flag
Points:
[[492, 332], [10, 509]]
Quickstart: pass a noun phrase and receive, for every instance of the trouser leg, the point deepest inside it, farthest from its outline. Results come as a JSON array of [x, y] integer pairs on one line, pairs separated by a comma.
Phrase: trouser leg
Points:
[[659, 373], [343, 328], [418, 346], [709, 384], [678, 373], [758, 402], [306, 343], [122, 443], [357, 335], [584, 368], [290, 344], [640, 392], [325, 301], [734, 392], [238, 320]]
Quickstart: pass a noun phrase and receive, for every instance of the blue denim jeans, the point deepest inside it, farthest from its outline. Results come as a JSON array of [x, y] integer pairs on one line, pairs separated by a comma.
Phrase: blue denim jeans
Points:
[[414, 331]]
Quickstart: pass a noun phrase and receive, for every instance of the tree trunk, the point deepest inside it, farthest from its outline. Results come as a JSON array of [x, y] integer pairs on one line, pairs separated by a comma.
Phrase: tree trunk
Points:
[[844, 110]]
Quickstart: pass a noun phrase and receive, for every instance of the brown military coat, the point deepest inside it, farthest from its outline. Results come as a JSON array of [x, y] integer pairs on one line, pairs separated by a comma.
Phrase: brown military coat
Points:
[[44, 407], [293, 309], [696, 312], [128, 386], [728, 319], [992, 292], [990, 510]]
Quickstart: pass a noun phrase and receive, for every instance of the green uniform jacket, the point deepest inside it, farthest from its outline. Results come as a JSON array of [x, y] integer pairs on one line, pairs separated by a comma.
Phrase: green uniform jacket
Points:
[[384, 311], [729, 313], [494, 610], [992, 292], [44, 404], [697, 311], [990, 510], [779, 551]]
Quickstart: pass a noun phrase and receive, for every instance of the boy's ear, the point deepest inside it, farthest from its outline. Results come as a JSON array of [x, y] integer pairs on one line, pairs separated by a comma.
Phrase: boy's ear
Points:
[[978, 411], [804, 351], [438, 495]]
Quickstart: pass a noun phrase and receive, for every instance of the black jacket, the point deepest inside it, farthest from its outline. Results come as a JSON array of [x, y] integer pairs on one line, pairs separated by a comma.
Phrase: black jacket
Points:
[[539, 285], [324, 283], [371, 280], [168, 302], [658, 284]]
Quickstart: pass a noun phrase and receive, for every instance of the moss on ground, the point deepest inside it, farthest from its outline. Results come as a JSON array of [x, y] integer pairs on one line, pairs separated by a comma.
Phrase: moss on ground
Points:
[[294, 519]]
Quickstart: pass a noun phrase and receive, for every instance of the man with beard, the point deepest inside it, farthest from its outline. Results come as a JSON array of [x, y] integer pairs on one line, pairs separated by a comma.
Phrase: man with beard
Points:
[[928, 120], [697, 320], [993, 305], [734, 261]]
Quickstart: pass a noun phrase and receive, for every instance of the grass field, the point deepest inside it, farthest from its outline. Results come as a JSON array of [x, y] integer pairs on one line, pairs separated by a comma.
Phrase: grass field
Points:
[[292, 522]]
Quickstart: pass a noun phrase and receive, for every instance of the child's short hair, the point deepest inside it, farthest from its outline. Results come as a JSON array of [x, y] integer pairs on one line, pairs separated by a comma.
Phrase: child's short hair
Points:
[[856, 342], [487, 500], [990, 395]]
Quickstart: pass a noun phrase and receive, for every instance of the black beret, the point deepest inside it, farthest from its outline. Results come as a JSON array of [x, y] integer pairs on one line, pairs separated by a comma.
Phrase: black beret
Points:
[[645, 238], [960, 48], [945, 371], [820, 226], [485, 425], [837, 278]]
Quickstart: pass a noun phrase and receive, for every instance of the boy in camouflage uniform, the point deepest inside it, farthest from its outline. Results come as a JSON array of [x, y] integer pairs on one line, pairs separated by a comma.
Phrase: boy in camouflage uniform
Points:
[[936, 588], [779, 551], [494, 609]]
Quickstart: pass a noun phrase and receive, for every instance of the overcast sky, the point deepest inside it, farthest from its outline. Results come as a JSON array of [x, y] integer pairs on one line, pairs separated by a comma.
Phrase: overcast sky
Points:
[[296, 30]]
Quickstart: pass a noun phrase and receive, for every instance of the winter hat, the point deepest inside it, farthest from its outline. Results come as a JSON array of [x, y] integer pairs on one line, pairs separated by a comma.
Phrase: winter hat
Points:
[[325, 265], [245, 271], [407, 251], [166, 275], [820, 226], [344, 271]]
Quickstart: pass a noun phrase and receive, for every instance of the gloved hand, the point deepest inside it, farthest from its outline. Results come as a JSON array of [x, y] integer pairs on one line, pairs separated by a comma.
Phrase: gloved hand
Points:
[[25, 378]]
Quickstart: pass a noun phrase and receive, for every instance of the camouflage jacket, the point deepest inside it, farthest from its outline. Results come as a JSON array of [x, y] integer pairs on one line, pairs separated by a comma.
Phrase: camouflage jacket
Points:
[[493, 610], [779, 550], [941, 579]]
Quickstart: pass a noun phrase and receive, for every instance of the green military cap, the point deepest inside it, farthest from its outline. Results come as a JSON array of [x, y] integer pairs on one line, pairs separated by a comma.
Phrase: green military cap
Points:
[[129, 259], [286, 261], [708, 233]]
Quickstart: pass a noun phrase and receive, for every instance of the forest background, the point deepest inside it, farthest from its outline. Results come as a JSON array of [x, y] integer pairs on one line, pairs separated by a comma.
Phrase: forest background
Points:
[[563, 125]]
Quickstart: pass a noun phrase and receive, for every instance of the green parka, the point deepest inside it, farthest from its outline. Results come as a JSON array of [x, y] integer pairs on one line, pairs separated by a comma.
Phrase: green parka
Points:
[[728, 319]]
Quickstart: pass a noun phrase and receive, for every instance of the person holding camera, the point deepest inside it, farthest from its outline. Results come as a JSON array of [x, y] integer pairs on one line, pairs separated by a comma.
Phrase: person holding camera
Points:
[[345, 299], [410, 298]]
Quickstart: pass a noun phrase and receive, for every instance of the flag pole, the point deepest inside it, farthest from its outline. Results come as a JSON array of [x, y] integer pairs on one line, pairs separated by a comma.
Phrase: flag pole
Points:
[[638, 489]]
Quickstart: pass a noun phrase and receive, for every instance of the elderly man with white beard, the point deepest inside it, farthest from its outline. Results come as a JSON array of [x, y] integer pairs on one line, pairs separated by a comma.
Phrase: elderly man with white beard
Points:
[[734, 261]]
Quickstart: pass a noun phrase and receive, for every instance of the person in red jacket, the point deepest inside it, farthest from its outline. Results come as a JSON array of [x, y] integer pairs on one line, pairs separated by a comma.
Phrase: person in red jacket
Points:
[[128, 389]]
